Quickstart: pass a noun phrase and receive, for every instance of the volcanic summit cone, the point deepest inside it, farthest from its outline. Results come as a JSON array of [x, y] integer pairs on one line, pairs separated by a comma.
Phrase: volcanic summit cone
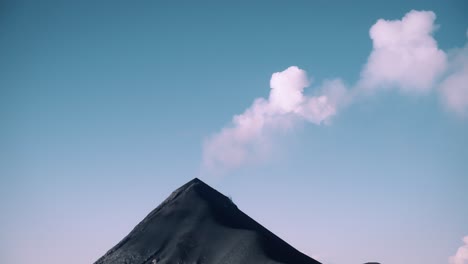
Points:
[[199, 225]]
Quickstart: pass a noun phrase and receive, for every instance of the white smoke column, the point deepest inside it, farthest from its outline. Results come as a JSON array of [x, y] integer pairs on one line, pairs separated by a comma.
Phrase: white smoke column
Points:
[[461, 257], [405, 54], [248, 136]]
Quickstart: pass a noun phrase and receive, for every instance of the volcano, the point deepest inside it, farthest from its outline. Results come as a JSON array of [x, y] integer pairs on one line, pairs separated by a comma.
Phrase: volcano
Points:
[[197, 224]]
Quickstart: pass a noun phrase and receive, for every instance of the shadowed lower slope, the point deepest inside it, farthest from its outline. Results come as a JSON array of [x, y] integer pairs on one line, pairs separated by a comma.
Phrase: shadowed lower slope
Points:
[[197, 224]]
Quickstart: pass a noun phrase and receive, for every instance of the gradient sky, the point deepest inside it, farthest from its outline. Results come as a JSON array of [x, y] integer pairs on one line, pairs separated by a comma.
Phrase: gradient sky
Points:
[[105, 105]]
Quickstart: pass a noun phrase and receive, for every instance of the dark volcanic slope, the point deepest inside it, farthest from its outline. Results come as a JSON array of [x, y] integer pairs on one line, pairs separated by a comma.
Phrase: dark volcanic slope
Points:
[[197, 224]]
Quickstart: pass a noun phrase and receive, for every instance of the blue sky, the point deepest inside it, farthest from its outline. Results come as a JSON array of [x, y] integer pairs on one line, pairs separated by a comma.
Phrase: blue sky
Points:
[[106, 108]]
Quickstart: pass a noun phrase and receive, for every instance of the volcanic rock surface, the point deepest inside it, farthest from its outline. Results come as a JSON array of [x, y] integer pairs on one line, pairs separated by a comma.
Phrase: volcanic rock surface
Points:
[[198, 225]]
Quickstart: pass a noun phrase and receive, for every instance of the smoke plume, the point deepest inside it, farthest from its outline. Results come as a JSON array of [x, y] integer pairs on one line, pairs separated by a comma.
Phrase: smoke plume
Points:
[[248, 136], [405, 56]]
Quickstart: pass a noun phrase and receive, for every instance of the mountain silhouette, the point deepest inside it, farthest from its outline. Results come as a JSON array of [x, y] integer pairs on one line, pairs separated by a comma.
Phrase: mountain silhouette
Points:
[[197, 224]]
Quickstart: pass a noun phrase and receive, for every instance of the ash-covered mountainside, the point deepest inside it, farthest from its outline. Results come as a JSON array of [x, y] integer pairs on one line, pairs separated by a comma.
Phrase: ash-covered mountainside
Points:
[[199, 225]]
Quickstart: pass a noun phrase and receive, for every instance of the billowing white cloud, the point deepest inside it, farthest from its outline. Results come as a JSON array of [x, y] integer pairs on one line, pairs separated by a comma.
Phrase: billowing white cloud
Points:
[[405, 54], [287, 89], [454, 89], [461, 256], [248, 136]]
